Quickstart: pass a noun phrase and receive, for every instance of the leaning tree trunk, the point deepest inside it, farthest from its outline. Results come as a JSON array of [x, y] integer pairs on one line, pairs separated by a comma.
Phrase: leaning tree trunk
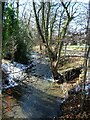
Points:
[[53, 60]]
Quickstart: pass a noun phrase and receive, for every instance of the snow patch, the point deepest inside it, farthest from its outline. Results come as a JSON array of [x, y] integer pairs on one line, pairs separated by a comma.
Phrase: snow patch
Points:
[[15, 71]]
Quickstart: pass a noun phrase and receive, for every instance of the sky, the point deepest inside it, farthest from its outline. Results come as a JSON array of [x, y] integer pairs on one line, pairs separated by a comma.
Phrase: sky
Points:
[[29, 6], [85, 1], [23, 1]]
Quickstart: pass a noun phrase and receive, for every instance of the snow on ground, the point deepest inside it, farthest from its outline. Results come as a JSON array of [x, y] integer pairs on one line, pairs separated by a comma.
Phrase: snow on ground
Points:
[[15, 71], [0, 92]]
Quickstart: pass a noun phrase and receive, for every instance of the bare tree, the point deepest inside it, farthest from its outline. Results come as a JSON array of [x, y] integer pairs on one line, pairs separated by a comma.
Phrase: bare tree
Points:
[[49, 23]]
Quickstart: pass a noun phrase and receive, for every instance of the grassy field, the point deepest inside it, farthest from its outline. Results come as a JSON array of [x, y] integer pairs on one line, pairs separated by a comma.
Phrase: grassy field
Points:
[[75, 47]]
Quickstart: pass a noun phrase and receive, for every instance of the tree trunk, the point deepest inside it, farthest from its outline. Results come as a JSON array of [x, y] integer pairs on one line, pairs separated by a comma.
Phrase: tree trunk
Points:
[[57, 77], [40, 47], [54, 70], [17, 8]]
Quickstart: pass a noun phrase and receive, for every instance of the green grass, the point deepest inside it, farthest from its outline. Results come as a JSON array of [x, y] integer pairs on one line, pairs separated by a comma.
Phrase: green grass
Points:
[[75, 47]]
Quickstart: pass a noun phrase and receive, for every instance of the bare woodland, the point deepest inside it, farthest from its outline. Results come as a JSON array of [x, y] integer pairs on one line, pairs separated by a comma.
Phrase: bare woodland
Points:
[[45, 57]]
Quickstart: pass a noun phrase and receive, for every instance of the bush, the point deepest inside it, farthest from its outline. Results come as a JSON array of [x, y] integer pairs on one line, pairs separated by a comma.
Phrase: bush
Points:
[[15, 43], [20, 54]]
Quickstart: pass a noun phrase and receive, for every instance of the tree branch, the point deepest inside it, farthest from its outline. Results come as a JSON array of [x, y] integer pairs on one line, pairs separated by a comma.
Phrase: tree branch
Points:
[[37, 22]]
